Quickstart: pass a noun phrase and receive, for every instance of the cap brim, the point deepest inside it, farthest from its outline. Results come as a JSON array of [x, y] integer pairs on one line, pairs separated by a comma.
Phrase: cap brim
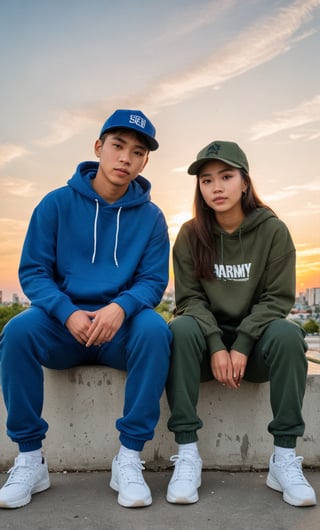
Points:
[[195, 166], [152, 143]]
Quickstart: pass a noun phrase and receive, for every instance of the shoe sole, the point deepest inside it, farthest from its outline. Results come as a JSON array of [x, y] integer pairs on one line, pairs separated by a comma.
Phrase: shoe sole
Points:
[[139, 503], [183, 500], [42, 486], [274, 484]]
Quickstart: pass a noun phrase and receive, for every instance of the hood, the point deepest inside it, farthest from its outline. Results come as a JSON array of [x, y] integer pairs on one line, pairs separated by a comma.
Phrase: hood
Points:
[[138, 193], [250, 223]]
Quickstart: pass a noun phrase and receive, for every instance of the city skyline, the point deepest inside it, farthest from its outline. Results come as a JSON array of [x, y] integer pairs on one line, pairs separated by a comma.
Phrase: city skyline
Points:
[[311, 297], [241, 71]]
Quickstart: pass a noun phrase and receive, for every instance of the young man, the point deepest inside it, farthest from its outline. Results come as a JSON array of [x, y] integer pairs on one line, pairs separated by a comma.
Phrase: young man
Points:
[[94, 265]]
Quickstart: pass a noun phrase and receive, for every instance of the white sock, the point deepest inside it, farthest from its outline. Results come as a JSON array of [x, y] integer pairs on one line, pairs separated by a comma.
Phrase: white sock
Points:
[[284, 452], [129, 453], [37, 454], [191, 448]]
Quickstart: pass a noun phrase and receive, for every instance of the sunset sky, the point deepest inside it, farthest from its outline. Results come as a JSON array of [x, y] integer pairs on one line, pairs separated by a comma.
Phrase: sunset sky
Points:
[[240, 70]]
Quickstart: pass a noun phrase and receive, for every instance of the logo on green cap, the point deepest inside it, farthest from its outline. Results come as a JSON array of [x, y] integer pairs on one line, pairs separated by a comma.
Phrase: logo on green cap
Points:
[[213, 148]]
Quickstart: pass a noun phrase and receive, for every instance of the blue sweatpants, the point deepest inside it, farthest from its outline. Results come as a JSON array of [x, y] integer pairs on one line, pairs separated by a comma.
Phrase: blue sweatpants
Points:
[[32, 339]]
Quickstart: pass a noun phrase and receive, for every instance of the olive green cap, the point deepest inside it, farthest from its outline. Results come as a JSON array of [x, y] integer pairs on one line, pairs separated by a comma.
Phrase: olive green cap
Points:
[[228, 152]]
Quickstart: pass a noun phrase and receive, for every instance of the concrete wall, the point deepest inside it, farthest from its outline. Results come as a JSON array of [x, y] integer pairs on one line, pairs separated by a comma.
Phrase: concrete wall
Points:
[[82, 404]]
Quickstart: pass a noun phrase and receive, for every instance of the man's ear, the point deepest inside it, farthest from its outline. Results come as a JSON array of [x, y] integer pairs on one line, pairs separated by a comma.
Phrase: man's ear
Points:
[[97, 148], [146, 161]]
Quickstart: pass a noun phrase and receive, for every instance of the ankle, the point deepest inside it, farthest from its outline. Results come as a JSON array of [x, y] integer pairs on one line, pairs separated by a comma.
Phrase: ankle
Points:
[[191, 448], [284, 453], [128, 453], [35, 455]]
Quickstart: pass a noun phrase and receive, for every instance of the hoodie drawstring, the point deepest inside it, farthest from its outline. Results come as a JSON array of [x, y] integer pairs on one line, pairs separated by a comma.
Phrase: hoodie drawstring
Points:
[[240, 242], [241, 246], [95, 232], [116, 238], [95, 235], [221, 247]]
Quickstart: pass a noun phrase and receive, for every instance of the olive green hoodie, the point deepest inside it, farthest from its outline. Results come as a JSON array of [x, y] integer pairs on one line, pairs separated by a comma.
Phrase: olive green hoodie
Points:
[[253, 281]]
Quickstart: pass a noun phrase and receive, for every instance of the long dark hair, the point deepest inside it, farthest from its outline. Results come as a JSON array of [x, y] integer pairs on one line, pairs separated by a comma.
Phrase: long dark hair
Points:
[[201, 230]]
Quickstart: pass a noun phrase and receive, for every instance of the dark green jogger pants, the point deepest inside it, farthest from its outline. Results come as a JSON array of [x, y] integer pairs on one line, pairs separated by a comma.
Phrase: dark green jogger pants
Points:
[[278, 357]]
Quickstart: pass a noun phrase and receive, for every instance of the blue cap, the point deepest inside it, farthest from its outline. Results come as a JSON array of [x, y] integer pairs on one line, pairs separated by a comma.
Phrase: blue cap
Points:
[[134, 120]]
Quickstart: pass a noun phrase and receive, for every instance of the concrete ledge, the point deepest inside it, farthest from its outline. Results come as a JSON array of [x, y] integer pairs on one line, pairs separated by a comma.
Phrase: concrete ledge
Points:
[[82, 404]]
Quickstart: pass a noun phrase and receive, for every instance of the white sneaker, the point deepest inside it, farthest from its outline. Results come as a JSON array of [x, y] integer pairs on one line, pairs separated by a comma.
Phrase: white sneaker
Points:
[[286, 475], [186, 478], [27, 476], [128, 481]]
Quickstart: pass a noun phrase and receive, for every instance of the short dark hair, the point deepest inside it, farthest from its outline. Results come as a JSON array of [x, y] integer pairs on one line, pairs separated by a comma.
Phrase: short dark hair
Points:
[[118, 130]]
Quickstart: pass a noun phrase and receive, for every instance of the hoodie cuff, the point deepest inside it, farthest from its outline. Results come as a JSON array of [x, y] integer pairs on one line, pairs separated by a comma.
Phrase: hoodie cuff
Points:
[[128, 304], [214, 343], [64, 310], [243, 344]]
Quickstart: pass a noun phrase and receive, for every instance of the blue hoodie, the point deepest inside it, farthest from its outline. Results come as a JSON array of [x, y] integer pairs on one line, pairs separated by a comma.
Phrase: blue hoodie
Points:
[[81, 252]]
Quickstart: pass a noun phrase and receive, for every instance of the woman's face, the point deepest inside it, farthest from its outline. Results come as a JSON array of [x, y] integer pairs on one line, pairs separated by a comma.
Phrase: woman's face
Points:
[[221, 186]]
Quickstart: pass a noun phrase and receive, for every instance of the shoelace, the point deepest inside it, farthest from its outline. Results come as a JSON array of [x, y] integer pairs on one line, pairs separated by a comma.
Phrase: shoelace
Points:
[[132, 470], [293, 470], [184, 467], [20, 474]]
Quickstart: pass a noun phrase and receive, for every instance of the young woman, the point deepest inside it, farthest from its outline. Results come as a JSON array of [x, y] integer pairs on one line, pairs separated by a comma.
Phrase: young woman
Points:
[[234, 266]]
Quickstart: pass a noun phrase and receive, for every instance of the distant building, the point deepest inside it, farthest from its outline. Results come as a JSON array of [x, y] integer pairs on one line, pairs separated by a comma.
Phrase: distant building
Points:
[[15, 298], [313, 296], [0, 297]]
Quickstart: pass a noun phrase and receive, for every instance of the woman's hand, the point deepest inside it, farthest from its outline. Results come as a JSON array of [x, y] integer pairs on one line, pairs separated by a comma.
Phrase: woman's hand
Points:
[[239, 363], [222, 369], [228, 368]]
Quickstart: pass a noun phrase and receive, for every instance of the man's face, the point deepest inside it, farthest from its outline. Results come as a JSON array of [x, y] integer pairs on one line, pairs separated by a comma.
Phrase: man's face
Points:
[[122, 158]]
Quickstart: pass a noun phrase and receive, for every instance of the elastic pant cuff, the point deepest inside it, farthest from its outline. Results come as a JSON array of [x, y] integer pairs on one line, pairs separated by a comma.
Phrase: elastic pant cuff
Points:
[[185, 437], [131, 443], [33, 445], [289, 442]]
